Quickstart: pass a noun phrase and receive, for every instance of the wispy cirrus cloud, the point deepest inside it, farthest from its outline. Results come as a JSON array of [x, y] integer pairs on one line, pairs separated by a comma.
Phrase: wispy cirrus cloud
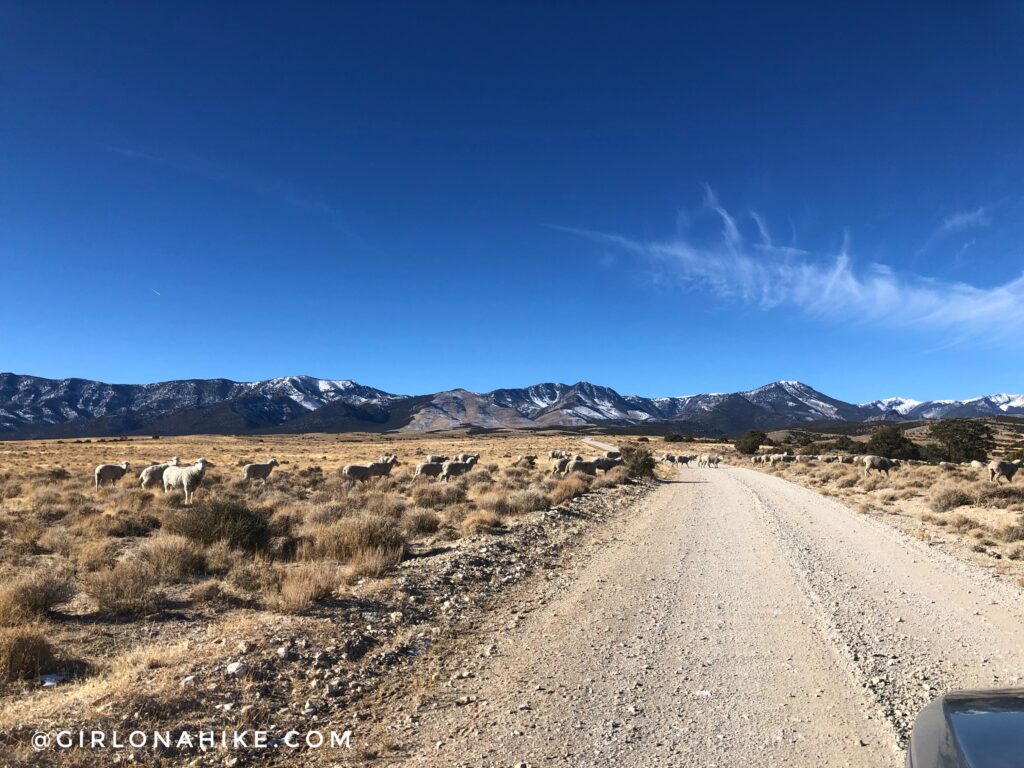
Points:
[[192, 165], [962, 220], [831, 287], [975, 218]]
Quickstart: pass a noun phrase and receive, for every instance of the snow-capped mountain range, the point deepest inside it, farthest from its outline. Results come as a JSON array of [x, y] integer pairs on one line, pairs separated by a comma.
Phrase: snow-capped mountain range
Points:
[[31, 406]]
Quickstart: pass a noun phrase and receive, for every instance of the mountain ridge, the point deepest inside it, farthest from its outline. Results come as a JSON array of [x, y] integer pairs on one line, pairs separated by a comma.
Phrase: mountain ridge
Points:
[[37, 407]]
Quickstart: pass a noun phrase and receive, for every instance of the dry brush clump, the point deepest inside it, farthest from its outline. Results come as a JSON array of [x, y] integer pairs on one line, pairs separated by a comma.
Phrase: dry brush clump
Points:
[[31, 596], [225, 520], [569, 488], [302, 586], [171, 558], [436, 495], [947, 497], [25, 653], [483, 521], [347, 537], [129, 588]]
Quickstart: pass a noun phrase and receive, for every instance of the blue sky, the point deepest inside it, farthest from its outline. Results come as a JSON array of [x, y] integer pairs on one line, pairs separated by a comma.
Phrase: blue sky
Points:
[[666, 199]]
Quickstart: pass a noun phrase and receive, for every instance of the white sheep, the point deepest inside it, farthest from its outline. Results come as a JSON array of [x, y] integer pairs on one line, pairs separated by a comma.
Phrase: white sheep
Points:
[[606, 463], [879, 464], [111, 473], [429, 469], [436, 458], [452, 469], [187, 478], [154, 473], [252, 472], [558, 465], [997, 469], [363, 472], [578, 465]]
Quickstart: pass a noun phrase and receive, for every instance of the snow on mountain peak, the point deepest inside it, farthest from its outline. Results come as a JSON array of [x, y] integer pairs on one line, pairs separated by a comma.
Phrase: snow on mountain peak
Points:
[[901, 405]]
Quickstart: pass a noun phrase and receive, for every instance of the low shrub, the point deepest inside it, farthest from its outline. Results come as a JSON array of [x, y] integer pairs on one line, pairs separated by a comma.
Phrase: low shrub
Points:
[[374, 562], [420, 522], [172, 558], [227, 520], [962, 523], [129, 588], [481, 522], [569, 488], [344, 538], [948, 497], [32, 595], [638, 461], [25, 653], [529, 500], [437, 495], [1014, 532], [303, 586]]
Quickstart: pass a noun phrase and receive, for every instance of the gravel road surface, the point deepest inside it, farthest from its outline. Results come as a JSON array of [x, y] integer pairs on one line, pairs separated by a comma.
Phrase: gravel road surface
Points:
[[734, 620]]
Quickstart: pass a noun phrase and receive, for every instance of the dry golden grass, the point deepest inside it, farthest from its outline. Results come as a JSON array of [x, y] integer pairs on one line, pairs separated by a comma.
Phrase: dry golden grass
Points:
[[481, 522], [127, 580], [126, 589], [957, 505], [302, 586], [30, 596], [24, 653]]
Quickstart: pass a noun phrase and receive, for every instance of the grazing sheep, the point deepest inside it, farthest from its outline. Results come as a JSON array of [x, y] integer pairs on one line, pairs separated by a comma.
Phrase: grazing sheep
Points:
[[462, 458], [525, 461], [879, 464], [154, 473], [578, 465], [436, 459], [708, 460], [111, 473], [977, 464], [558, 454], [259, 471], [187, 478], [804, 458], [558, 465], [429, 469], [613, 454], [997, 469], [452, 469], [363, 472], [846, 460], [606, 463]]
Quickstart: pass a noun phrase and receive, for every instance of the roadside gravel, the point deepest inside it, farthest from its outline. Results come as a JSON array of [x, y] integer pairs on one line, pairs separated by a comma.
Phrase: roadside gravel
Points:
[[734, 619]]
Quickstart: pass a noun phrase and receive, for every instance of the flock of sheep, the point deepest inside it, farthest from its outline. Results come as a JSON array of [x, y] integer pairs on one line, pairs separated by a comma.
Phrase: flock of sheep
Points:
[[171, 474], [998, 468], [703, 460], [562, 463]]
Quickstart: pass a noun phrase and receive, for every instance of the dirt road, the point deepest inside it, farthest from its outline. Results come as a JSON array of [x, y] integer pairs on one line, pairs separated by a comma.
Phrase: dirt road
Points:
[[736, 620]]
